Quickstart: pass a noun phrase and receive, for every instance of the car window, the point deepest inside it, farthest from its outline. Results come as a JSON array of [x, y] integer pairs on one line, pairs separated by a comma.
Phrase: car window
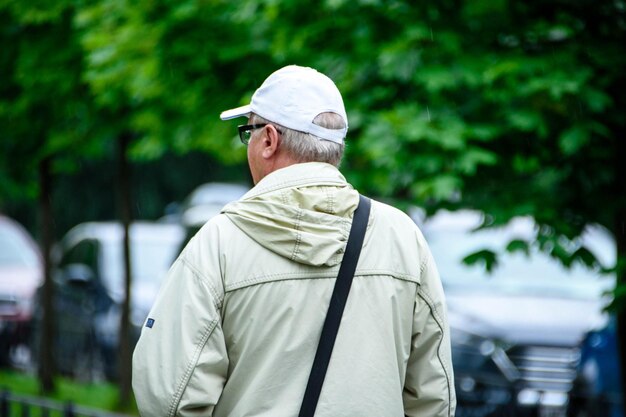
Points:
[[85, 252], [150, 260], [535, 273], [15, 250]]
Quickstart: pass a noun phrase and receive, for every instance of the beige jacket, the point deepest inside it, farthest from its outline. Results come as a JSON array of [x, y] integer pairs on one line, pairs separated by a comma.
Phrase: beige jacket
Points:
[[236, 325]]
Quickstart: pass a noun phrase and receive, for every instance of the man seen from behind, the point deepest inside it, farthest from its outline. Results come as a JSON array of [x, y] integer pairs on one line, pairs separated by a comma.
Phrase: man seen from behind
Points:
[[237, 323]]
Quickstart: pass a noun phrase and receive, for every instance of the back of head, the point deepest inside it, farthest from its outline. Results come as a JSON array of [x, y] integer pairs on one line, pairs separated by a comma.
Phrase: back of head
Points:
[[306, 147], [308, 109]]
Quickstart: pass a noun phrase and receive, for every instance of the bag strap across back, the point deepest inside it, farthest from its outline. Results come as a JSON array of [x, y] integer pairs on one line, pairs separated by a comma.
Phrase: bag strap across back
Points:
[[336, 307]]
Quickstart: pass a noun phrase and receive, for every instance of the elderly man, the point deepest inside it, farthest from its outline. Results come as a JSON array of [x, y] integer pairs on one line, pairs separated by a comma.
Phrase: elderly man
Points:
[[237, 323]]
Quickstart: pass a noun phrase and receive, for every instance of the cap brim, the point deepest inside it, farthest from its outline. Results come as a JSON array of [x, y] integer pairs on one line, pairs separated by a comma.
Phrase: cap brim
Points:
[[234, 113]]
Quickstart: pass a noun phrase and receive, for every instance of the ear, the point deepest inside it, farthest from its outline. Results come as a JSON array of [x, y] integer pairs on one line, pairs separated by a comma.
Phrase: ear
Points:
[[271, 142]]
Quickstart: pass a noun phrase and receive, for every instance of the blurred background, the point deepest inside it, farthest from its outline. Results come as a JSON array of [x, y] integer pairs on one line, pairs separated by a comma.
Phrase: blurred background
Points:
[[498, 125]]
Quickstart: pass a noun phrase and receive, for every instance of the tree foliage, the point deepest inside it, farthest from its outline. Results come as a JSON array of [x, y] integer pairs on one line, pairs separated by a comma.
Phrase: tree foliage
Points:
[[43, 105], [509, 107]]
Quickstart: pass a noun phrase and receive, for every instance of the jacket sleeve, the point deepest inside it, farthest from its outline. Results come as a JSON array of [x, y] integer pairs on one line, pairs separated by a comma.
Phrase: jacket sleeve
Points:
[[429, 383], [180, 361]]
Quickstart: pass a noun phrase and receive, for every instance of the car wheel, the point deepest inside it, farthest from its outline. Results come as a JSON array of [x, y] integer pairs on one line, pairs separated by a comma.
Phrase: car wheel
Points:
[[5, 348], [89, 365]]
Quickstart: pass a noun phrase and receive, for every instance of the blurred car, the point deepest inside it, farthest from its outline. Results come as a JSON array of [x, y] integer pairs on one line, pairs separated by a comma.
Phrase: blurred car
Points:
[[204, 202], [597, 388], [515, 332], [21, 272], [89, 290], [207, 200]]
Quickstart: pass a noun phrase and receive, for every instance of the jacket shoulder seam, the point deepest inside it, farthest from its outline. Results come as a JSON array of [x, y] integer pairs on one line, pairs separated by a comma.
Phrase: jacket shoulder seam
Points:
[[422, 266], [325, 275], [217, 299], [190, 368], [435, 313]]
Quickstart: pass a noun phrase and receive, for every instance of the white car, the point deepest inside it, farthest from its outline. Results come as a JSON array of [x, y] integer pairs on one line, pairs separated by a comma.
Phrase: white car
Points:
[[516, 332], [89, 290]]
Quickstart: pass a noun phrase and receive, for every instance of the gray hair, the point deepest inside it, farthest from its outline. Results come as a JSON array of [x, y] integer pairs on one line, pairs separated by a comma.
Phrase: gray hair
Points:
[[305, 147]]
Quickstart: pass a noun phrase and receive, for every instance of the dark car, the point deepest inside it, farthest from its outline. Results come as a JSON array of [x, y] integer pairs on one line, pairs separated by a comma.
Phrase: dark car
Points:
[[21, 273], [89, 290], [515, 332], [597, 388]]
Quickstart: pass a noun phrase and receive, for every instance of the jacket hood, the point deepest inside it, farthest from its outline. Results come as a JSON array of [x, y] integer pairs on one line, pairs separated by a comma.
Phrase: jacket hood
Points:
[[302, 212]]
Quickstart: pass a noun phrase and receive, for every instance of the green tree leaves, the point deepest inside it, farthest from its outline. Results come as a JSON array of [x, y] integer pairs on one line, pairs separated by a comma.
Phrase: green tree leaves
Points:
[[506, 107]]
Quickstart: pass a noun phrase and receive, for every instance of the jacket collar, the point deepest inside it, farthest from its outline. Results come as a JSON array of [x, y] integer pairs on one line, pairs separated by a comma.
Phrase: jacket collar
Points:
[[297, 175]]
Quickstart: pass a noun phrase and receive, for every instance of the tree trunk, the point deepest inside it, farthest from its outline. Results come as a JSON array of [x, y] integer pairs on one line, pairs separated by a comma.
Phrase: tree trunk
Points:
[[46, 348], [125, 349], [619, 229], [621, 313]]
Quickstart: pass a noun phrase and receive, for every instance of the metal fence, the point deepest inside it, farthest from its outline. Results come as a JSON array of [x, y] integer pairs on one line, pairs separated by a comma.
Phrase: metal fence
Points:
[[17, 405]]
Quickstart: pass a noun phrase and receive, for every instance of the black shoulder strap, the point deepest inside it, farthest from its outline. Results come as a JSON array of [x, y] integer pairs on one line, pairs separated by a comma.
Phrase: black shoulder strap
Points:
[[335, 309]]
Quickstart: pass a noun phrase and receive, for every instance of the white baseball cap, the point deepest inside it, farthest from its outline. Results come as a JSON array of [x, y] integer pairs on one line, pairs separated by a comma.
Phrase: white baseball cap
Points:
[[292, 97]]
